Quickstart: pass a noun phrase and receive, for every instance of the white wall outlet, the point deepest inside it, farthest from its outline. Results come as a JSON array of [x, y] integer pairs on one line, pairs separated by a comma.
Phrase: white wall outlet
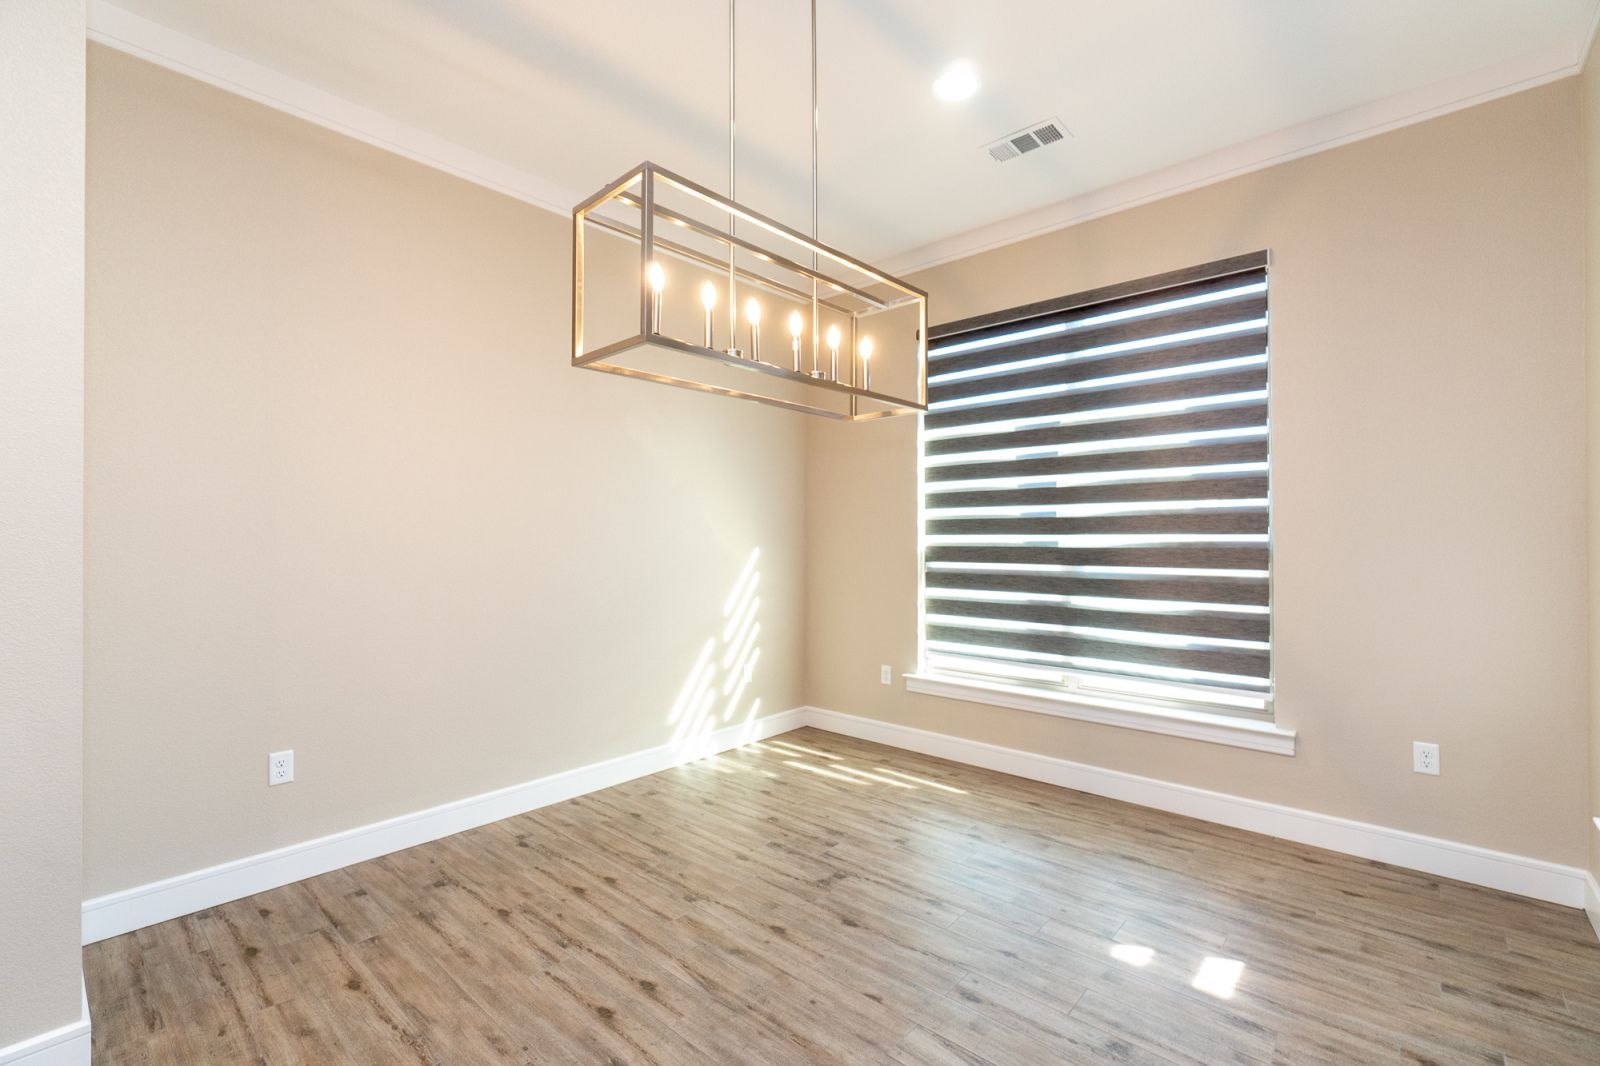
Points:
[[886, 674], [1425, 758], [280, 768]]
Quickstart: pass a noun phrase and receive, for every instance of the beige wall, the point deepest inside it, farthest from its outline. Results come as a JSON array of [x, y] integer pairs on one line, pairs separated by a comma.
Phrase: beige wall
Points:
[[41, 513], [1590, 83], [346, 496], [1429, 487]]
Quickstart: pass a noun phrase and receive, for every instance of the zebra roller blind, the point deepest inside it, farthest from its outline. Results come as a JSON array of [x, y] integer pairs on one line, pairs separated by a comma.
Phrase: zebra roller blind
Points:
[[1096, 498]]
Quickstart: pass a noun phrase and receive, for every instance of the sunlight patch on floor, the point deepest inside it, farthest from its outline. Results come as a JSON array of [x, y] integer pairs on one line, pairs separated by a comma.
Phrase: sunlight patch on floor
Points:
[[921, 780], [805, 756], [821, 772]]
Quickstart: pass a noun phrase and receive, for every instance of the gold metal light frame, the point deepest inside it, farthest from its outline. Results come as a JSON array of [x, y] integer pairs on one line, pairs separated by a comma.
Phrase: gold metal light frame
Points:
[[834, 285]]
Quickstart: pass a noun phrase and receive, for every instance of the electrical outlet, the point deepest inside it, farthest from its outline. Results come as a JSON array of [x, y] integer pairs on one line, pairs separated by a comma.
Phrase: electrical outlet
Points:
[[280, 768], [1425, 758], [886, 674]]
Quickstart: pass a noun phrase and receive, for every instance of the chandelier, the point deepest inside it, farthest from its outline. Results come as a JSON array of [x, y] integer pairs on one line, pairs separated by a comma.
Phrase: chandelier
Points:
[[675, 283]]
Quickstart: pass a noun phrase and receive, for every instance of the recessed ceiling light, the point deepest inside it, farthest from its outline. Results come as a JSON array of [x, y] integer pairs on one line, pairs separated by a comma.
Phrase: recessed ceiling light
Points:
[[956, 82]]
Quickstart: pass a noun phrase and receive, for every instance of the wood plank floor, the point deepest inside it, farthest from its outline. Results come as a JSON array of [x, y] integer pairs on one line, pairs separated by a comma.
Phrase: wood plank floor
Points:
[[817, 899]]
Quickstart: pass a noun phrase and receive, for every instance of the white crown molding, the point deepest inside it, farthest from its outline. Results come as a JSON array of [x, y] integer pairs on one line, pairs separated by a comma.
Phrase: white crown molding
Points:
[[1519, 874], [1307, 138], [134, 908], [112, 26], [1589, 38], [69, 1045]]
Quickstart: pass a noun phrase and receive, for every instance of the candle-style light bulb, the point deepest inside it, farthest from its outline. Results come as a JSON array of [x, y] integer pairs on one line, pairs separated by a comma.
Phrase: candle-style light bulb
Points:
[[797, 326], [833, 352], [752, 314], [658, 281], [866, 362], [708, 300]]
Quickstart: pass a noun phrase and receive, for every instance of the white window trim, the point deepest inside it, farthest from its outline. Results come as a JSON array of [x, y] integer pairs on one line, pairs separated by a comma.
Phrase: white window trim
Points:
[[1257, 735]]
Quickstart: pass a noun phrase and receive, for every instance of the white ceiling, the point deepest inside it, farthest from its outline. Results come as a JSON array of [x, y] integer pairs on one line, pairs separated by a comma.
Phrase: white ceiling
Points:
[[567, 95]]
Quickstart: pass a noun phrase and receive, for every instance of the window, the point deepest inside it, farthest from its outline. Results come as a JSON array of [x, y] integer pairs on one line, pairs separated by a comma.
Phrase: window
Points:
[[1096, 504]]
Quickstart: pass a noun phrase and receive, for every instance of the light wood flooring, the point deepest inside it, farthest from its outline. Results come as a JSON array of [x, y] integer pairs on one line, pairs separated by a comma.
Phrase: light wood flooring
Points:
[[817, 899]]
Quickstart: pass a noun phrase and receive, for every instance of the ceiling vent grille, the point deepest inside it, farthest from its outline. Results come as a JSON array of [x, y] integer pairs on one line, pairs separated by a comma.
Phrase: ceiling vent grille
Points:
[[1027, 140]]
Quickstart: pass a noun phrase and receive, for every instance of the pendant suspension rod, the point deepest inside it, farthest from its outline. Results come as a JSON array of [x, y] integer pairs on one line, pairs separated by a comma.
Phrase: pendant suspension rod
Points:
[[733, 269], [814, 123], [816, 320]]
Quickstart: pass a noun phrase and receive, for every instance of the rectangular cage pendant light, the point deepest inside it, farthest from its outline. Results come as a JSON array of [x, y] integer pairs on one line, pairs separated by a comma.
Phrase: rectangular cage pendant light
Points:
[[677, 284]]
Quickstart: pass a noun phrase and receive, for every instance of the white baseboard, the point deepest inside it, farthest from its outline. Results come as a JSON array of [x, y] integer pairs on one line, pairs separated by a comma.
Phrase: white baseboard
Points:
[[1519, 874], [68, 1045], [135, 908], [1591, 901]]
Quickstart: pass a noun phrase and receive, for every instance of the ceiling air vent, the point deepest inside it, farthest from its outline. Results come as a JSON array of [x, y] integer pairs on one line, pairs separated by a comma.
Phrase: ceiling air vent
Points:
[[1027, 140]]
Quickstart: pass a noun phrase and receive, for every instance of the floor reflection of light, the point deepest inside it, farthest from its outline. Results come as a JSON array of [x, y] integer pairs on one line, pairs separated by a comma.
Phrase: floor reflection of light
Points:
[[921, 780], [1218, 976], [798, 765], [1133, 954]]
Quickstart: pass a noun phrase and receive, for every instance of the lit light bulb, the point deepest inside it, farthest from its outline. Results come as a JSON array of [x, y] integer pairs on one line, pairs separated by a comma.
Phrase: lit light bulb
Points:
[[752, 313], [658, 281], [866, 362], [708, 300], [833, 353], [833, 336], [797, 326]]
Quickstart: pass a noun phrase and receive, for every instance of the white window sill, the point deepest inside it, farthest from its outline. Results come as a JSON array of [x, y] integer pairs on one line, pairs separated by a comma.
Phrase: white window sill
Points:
[[1195, 725]]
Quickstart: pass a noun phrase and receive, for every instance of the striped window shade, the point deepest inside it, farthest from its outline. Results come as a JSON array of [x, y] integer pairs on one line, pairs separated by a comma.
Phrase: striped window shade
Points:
[[1096, 504]]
